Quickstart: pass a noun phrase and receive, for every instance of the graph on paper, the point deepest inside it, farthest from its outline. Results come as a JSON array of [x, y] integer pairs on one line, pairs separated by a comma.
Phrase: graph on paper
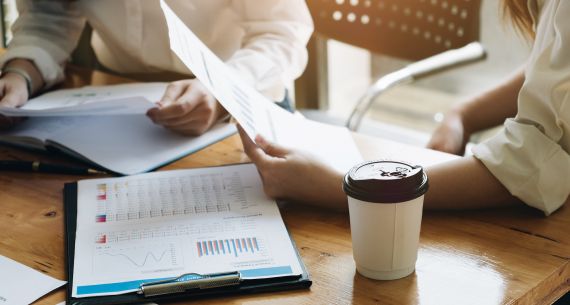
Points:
[[150, 198], [164, 224], [184, 229], [233, 247], [140, 258]]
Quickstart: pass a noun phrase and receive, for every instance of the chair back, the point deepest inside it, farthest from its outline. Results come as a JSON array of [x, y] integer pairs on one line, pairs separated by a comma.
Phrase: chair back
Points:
[[406, 29]]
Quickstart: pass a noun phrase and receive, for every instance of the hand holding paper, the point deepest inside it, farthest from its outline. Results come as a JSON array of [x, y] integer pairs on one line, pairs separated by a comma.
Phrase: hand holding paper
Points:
[[187, 108], [91, 100], [281, 169], [255, 113]]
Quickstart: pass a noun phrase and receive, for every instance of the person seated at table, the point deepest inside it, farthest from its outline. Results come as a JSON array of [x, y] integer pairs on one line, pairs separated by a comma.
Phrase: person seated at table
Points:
[[264, 41], [526, 161]]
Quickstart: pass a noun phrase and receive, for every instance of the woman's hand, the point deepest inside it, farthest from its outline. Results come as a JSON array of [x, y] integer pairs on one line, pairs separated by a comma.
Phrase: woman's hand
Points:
[[294, 175], [451, 135], [187, 108], [14, 93]]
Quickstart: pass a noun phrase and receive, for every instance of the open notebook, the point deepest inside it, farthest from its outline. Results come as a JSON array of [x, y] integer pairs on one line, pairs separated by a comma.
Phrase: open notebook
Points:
[[123, 144], [105, 126]]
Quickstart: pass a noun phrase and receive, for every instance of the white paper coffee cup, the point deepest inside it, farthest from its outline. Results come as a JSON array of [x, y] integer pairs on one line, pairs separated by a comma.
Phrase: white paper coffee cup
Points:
[[385, 201]]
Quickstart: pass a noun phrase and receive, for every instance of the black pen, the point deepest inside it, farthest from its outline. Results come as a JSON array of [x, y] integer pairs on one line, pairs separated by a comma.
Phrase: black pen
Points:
[[42, 167]]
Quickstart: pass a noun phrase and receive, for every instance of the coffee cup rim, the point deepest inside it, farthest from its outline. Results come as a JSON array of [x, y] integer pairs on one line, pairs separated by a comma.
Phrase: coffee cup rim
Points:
[[415, 187]]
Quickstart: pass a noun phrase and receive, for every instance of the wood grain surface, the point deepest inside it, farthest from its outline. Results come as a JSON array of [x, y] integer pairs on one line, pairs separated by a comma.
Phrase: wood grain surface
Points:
[[507, 256]]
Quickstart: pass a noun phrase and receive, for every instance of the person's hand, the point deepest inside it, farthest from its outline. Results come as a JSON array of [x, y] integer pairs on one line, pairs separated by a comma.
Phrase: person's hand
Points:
[[294, 175], [13, 93], [187, 108], [451, 135]]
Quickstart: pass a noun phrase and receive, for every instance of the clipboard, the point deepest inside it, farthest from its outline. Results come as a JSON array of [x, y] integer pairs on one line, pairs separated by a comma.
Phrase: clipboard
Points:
[[245, 287]]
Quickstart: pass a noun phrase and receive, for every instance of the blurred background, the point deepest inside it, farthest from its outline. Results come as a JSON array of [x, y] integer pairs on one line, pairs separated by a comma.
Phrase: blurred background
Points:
[[408, 113]]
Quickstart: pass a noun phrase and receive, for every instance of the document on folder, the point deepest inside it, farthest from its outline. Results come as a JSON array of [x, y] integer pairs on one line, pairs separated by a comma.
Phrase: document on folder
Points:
[[92, 100], [254, 112], [158, 226]]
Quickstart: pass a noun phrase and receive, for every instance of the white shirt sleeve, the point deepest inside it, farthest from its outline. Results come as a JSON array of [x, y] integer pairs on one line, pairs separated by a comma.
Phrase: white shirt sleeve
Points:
[[274, 51], [46, 32], [530, 155]]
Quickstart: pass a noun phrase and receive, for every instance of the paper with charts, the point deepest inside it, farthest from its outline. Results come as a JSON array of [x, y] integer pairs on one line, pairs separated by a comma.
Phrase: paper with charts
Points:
[[254, 112], [121, 99], [161, 225]]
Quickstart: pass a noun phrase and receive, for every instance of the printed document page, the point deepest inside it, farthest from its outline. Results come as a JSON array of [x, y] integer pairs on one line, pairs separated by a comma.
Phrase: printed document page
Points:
[[20, 284], [243, 102], [150, 227], [121, 99], [254, 112]]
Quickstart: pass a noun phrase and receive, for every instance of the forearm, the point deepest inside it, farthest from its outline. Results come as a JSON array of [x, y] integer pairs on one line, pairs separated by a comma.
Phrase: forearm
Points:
[[461, 184], [492, 107], [46, 32], [333, 196], [31, 69], [320, 185], [465, 184]]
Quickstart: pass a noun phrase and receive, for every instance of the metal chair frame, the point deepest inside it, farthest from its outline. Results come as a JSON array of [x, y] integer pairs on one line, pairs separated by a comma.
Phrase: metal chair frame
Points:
[[441, 34]]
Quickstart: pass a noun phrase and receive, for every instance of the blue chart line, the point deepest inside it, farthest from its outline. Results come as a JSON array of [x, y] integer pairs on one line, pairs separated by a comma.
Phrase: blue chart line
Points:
[[233, 246], [148, 255]]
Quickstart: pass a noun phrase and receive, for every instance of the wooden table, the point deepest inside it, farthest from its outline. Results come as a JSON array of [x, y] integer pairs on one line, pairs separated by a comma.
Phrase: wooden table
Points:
[[508, 256]]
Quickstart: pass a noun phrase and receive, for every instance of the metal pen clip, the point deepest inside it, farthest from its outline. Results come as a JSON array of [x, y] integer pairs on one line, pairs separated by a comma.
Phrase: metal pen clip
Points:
[[189, 281]]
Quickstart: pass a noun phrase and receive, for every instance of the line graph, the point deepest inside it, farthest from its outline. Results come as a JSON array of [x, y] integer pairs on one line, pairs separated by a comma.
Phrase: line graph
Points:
[[143, 263], [140, 257]]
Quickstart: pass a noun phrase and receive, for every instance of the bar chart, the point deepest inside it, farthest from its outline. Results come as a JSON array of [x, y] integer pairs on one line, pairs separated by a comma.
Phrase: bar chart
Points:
[[235, 247]]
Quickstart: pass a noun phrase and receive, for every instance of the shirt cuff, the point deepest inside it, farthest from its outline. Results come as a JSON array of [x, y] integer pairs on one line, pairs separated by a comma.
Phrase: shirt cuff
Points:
[[51, 71], [529, 164]]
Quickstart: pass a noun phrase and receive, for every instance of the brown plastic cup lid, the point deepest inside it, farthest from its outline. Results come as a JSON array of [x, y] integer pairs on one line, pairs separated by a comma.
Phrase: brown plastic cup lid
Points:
[[385, 182]]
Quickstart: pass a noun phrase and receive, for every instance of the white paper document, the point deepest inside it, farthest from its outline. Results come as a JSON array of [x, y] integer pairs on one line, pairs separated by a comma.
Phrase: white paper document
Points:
[[20, 284], [254, 112], [156, 226], [128, 144], [121, 99]]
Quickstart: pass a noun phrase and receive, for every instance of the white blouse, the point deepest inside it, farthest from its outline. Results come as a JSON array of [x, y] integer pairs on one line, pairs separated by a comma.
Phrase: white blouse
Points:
[[264, 40], [530, 155]]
